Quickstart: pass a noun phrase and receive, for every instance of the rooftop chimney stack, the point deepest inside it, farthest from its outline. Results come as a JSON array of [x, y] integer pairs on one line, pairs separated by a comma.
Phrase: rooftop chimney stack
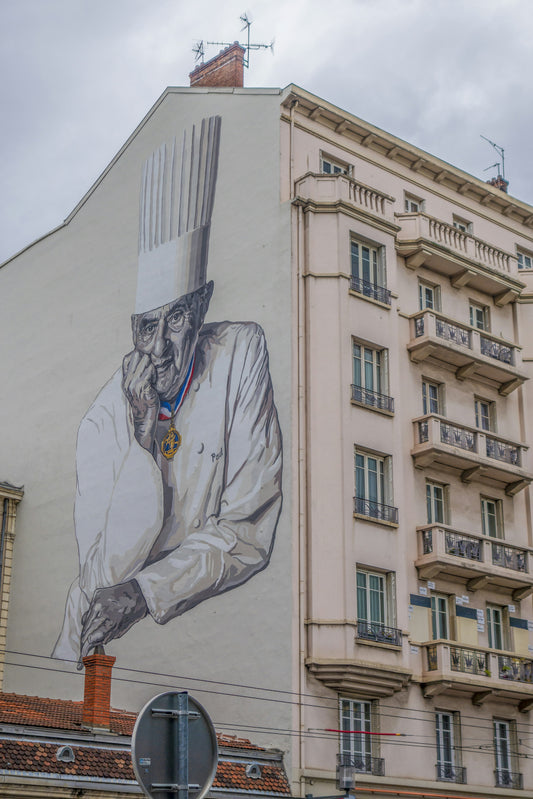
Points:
[[225, 69], [97, 693]]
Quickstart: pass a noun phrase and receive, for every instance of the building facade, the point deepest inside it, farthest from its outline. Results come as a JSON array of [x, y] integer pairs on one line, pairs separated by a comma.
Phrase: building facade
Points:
[[386, 621]]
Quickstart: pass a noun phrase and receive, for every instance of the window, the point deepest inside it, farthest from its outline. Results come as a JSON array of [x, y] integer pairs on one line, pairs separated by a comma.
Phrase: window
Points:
[[412, 204], [356, 749], [504, 745], [368, 271], [525, 259], [479, 316], [484, 414], [372, 481], [491, 517], [375, 607], [447, 728], [428, 296], [329, 166], [371, 604], [497, 627], [431, 397], [462, 224], [440, 616], [370, 377], [435, 503]]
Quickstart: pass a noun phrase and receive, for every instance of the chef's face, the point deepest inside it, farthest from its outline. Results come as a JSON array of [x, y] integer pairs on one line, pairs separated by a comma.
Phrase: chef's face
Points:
[[168, 335]]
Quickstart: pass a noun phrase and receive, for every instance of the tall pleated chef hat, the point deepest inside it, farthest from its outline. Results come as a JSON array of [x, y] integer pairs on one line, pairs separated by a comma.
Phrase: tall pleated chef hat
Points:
[[176, 203]]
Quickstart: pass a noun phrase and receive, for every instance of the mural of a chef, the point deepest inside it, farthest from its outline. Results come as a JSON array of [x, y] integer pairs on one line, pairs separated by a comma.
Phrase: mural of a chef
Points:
[[179, 457]]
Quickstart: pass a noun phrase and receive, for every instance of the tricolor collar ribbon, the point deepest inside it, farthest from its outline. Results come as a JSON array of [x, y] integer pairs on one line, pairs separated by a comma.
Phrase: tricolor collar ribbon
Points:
[[166, 411]]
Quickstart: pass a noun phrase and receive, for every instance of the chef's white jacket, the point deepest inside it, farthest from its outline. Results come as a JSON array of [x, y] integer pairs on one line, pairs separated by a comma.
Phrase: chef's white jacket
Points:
[[199, 524]]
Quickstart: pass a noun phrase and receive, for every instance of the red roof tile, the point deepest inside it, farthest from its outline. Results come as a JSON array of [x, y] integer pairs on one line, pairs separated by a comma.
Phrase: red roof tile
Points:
[[58, 714], [99, 762]]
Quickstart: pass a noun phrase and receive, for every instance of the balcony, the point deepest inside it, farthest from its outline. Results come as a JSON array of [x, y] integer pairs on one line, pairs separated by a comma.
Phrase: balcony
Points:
[[375, 511], [508, 779], [360, 764], [372, 290], [447, 772], [326, 193], [372, 399], [477, 559], [449, 668], [379, 633], [471, 353], [464, 259], [475, 454]]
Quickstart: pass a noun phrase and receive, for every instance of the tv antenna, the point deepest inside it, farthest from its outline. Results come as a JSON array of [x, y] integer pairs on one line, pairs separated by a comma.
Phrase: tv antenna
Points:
[[199, 51], [501, 153], [247, 24]]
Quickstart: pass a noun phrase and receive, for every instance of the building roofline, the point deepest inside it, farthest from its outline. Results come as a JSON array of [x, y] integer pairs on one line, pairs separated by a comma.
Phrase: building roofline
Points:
[[405, 154]]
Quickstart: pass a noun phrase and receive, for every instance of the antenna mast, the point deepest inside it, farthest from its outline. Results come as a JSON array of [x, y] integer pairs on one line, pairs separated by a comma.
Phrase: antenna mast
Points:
[[501, 153], [247, 23]]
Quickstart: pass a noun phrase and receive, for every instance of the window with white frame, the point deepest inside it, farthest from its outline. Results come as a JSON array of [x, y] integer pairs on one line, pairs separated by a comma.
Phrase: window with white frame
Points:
[[436, 502], [448, 738], [497, 626], [373, 492], [484, 412], [368, 270], [525, 259], [330, 166], [355, 742], [504, 744], [428, 296], [371, 597], [432, 397], [479, 316], [462, 224], [491, 517], [440, 616], [412, 204], [370, 376], [376, 607]]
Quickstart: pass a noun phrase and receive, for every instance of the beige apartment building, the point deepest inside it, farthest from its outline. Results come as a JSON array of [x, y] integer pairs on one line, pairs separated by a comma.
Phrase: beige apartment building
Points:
[[385, 640]]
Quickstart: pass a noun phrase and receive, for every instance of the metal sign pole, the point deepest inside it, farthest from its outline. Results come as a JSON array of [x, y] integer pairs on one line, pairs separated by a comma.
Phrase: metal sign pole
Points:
[[166, 750]]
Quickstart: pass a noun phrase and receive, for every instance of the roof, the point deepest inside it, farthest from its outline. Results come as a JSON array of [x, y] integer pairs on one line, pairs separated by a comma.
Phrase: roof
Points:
[[57, 714], [25, 754]]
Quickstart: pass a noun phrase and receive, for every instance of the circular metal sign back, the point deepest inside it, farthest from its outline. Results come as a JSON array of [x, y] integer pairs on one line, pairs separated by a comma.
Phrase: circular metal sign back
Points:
[[174, 748]]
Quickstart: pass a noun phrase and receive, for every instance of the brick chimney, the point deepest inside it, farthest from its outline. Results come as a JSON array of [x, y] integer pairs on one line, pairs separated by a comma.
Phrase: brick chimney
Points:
[[225, 69], [97, 693], [499, 183]]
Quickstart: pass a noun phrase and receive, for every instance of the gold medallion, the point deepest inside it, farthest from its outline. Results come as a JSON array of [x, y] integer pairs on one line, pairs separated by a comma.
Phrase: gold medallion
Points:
[[171, 442]]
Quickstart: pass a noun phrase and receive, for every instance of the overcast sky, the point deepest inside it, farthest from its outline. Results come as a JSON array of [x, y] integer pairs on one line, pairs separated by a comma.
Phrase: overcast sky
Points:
[[79, 75]]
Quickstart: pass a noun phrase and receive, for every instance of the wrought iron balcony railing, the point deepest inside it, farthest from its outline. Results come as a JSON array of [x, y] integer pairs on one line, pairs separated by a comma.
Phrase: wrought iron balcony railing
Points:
[[515, 669], [468, 661], [452, 332], [372, 398], [493, 349], [374, 631], [463, 546], [510, 557], [375, 510], [458, 437], [508, 779], [367, 289], [362, 763], [447, 772], [502, 451]]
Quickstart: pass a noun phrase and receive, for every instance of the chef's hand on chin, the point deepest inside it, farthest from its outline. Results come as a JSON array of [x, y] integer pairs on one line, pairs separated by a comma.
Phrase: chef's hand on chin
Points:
[[138, 385]]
